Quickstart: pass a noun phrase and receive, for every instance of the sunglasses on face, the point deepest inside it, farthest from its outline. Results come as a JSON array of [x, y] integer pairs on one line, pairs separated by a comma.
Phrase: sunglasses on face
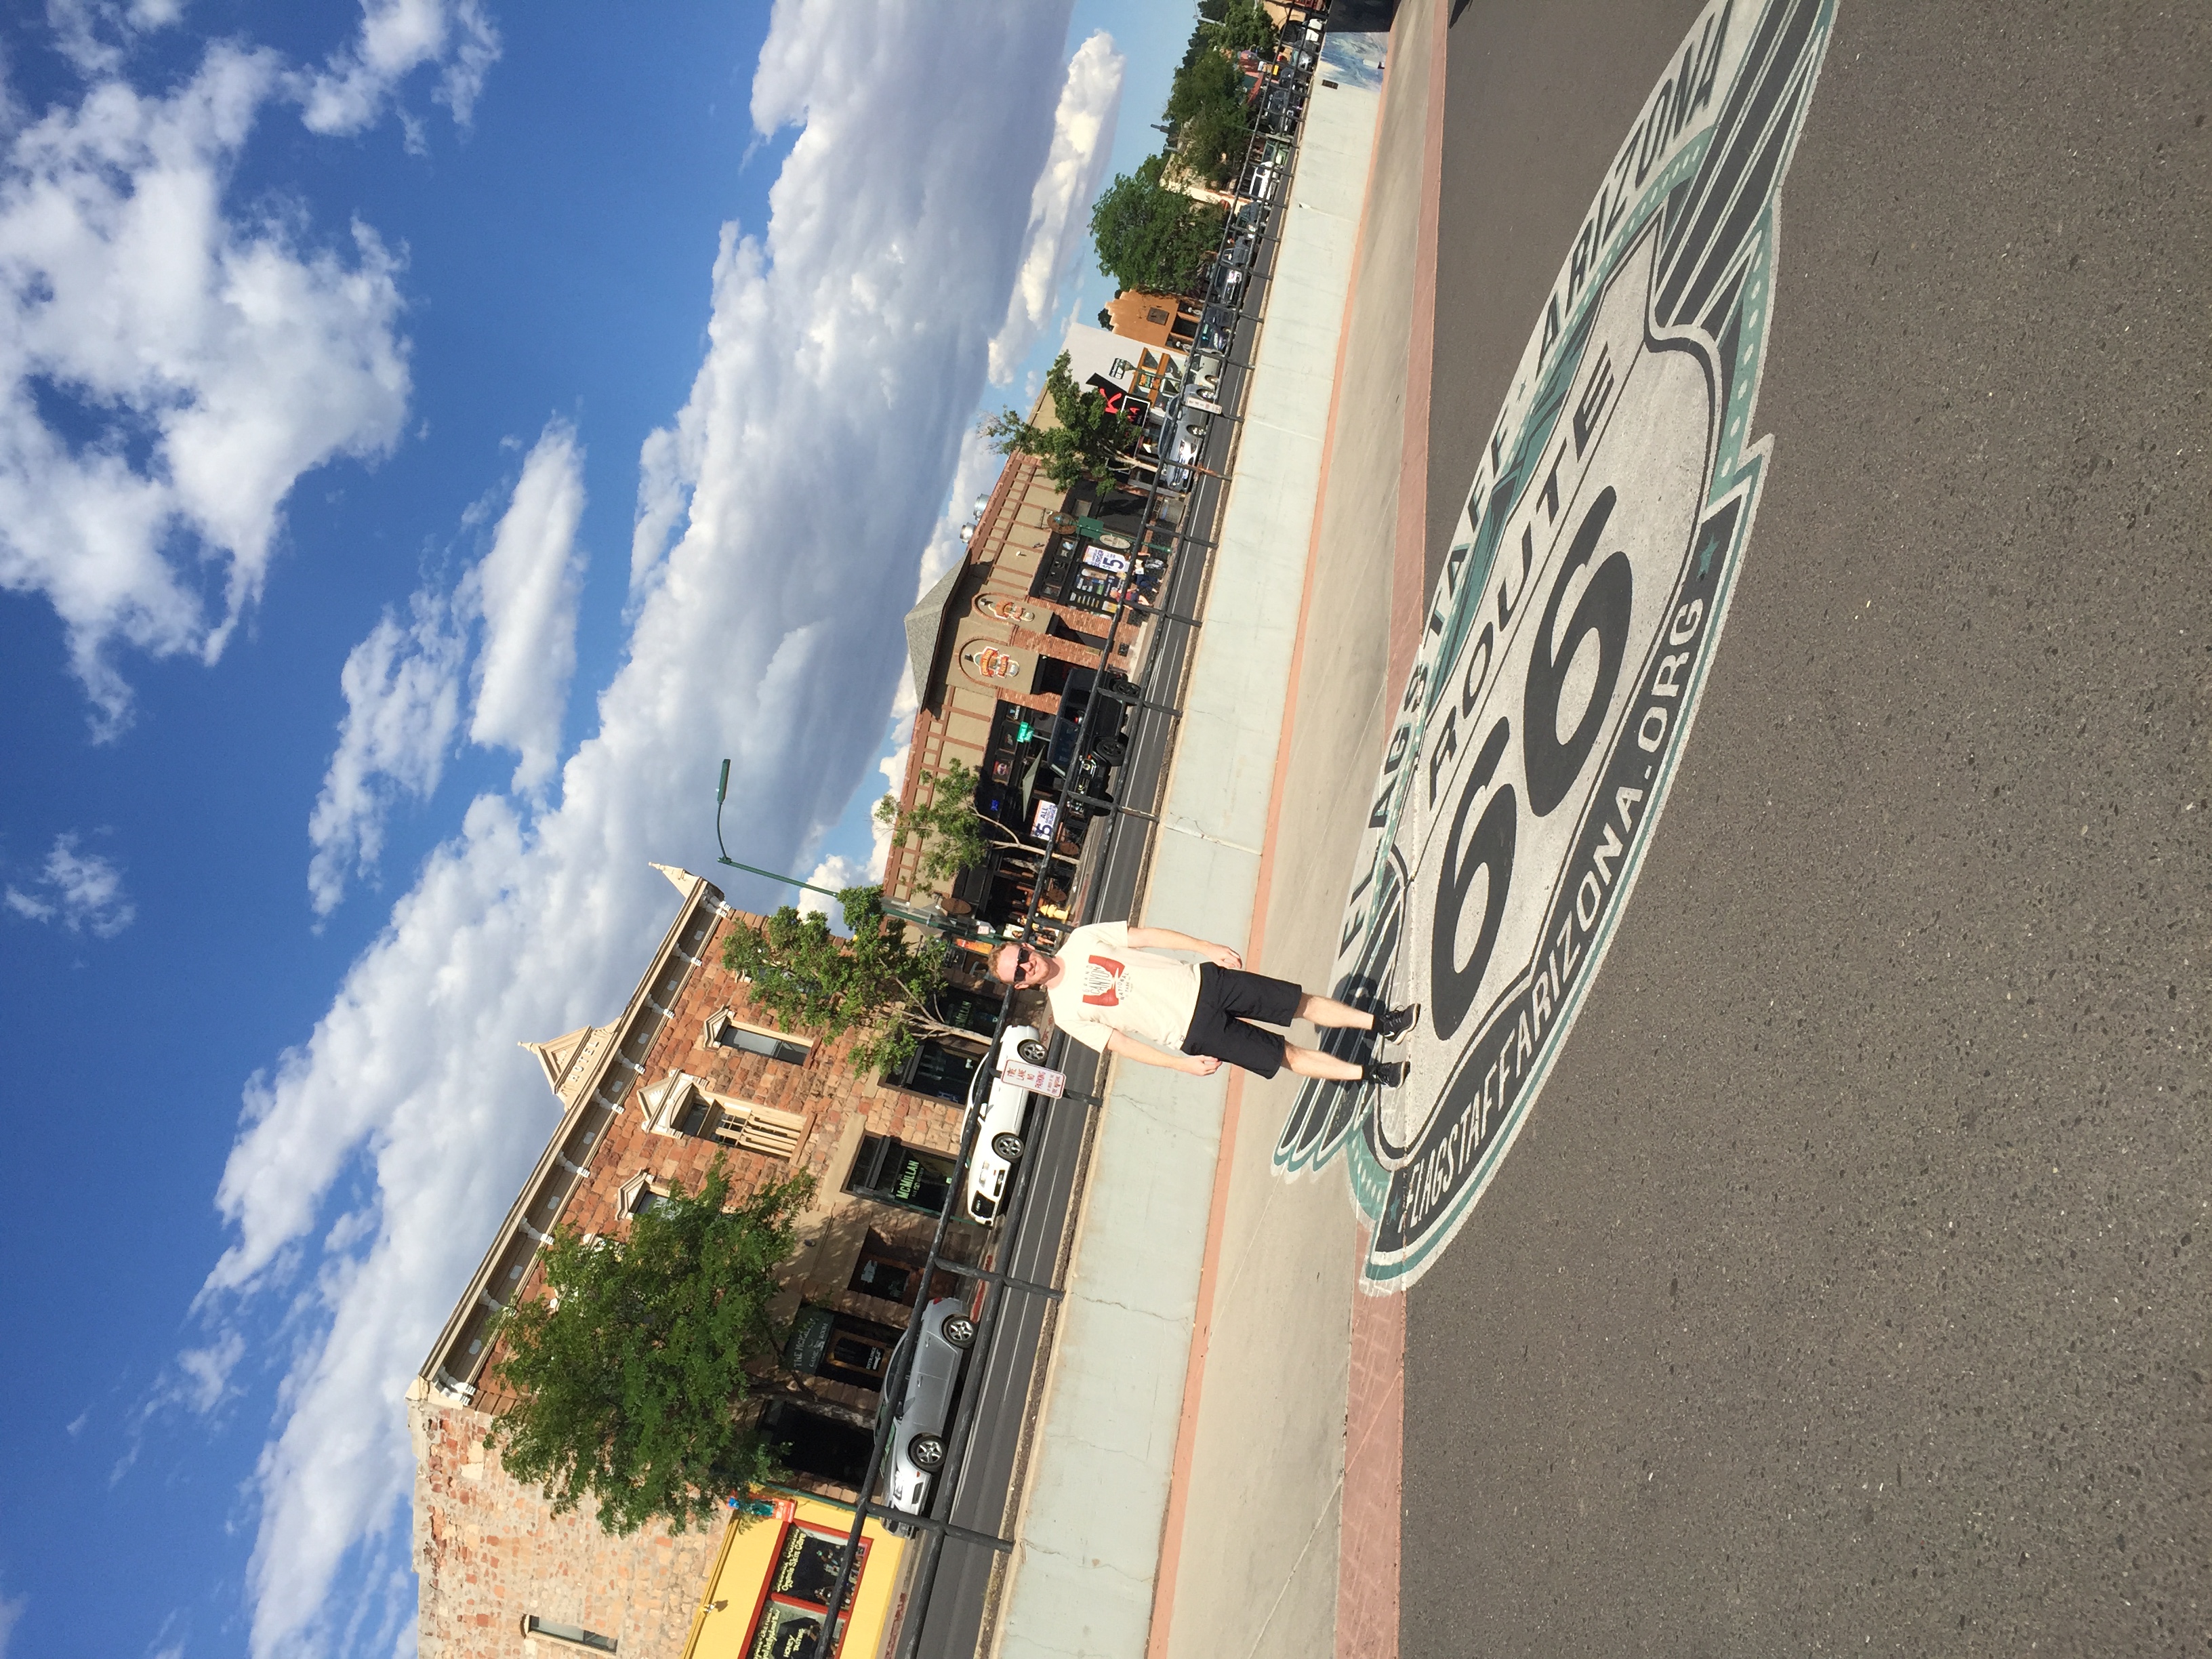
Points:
[[1023, 956]]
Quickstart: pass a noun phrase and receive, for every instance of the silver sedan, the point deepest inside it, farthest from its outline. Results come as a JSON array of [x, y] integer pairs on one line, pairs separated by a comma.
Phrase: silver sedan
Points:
[[924, 1376]]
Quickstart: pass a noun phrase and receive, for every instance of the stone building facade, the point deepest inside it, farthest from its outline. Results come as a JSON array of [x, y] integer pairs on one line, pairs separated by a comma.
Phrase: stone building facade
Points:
[[490, 1553], [690, 1070]]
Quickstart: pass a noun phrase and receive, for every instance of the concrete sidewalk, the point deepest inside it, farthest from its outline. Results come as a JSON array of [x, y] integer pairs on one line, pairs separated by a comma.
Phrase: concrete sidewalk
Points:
[[1096, 1506], [1183, 1489], [1287, 1489]]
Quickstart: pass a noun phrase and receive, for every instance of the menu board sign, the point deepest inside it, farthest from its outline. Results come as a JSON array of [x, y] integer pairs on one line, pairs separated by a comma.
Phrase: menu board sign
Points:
[[807, 1568], [787, 1633], [798, 1586]]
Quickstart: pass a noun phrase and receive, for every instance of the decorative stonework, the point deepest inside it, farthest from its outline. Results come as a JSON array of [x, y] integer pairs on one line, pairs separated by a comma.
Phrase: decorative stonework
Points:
[[488, 1551]]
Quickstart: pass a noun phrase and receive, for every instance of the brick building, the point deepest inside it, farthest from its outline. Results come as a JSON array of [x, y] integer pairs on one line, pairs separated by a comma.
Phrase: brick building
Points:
[[490, 1553], [991, 649], [690, 1070], [1154, 318]]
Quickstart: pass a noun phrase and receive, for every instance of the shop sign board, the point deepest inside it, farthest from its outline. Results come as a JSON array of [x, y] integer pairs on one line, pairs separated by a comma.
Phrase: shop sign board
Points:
[[809, 1340]]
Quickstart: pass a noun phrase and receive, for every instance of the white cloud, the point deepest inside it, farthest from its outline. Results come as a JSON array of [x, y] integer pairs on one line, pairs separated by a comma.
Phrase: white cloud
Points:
[[835, 873], [397, 37], [525, 593], [846, 348], [206, 1380], [403, 685], [10, 1612], [80, 25], [81, 891], [167, 375], [895, 779], [1059, 206], [402, 693]]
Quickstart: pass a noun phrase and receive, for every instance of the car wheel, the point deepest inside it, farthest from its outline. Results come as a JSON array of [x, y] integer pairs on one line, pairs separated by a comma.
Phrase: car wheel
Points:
[[1113, 753], [1007, 1146], [927, 1451], [1031, 1050], [960, 1330]]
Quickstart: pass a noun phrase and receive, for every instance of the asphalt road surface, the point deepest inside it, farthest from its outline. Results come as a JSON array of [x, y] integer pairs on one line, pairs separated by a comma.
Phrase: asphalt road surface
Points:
[[999, 1378], [1847, 1289]]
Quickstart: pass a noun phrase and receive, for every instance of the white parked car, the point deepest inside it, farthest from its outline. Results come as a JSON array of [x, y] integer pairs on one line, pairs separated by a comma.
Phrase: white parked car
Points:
[[1002, 1105]]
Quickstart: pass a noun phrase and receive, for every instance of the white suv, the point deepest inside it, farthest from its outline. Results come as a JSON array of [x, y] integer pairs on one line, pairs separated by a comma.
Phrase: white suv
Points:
[[1001, 1103]]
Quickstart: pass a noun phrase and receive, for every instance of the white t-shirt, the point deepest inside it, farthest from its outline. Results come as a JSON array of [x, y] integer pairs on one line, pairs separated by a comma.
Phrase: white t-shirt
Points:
[[1107, 986]]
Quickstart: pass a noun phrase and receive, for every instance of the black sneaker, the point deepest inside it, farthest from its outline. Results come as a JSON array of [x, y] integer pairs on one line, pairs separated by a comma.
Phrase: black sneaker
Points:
[[1394, 1023], [1388, 1073]]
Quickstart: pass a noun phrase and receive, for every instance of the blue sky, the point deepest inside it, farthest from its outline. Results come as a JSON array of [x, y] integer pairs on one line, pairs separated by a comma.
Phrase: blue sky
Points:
[[432, 433]]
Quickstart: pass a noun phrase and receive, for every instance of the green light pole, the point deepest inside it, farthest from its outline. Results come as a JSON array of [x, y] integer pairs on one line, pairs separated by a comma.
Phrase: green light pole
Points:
[[935, 921]]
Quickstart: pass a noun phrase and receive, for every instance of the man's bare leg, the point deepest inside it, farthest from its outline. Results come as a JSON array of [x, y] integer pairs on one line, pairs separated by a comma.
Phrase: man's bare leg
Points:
[[1328, 1012], [1311, 1062]]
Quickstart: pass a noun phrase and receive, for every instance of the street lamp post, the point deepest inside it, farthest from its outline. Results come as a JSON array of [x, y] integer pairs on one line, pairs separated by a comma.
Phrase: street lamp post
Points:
[[935, 918]]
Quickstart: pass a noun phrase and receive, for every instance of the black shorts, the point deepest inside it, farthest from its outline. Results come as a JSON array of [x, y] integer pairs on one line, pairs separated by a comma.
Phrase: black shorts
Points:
[[1227, 997]]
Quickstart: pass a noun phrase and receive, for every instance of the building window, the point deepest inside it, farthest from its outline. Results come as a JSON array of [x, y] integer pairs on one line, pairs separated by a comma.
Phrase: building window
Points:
[[574, 1634], [940, 1071], [640, 1192], [836, 1346], [884, 1270], [761, 1129], [806, 1564], [723, 1031], [970, 1013], [892, 1172], [1066, 577], [679, 1105], [814, 1443]]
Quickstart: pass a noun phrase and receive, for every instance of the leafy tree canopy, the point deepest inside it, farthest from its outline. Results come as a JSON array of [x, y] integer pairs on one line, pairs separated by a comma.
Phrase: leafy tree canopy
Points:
[[1208, 117], [1243, 26], [1088, 439], [1150, 237], [634, 1372], [951, 834], [875, 983]]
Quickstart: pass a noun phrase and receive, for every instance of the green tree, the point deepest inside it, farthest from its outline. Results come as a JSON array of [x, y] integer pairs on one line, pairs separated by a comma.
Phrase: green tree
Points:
[[633, 1373], [951, 834], [875, 983], [1150, 237], [1087, 441], [1207, 111], [1245, 25]]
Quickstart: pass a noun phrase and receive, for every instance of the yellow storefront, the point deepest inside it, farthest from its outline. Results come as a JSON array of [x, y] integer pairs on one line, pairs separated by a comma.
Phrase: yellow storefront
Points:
[[765, 1597]]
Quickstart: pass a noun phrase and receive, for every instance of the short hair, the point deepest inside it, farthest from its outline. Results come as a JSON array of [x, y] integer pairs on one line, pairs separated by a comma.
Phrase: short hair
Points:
[[1004, 979]]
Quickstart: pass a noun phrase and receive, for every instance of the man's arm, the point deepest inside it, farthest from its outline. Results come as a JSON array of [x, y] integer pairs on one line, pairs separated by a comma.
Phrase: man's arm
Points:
[[1129, 1047], [1166, 939]]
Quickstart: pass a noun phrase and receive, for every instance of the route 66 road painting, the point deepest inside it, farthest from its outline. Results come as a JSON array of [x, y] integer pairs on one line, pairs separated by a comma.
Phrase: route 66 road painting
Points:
[[1568, 636]]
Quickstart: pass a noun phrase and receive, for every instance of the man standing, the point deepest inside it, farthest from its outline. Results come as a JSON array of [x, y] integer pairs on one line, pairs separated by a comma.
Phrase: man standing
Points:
[[1110, 990]]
